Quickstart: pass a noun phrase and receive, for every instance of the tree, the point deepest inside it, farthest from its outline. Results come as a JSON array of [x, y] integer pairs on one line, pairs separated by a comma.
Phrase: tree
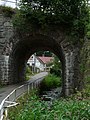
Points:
[[88, 26], [44, 53], [73, 14], [57, 67], [54, 11]]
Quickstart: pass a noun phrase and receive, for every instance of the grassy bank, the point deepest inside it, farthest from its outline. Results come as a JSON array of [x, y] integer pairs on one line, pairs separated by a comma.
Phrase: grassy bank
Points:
[[33, 108]]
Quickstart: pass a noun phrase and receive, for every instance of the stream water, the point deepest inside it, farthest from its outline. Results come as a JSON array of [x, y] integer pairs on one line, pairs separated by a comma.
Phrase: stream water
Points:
[[51, 95]]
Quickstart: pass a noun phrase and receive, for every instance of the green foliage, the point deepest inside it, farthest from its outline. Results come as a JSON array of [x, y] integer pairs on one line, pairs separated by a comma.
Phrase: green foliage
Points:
[[72, 14], [87, 79], [88, 30], [7, 11], [28, 72], [64, 109], [88, 26], [1, 85], [45, 53], [49, 82], [87, 89], [56, 69]]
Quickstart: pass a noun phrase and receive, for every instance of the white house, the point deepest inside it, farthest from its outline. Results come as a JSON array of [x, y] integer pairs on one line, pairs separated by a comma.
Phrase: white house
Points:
[[40, 62]]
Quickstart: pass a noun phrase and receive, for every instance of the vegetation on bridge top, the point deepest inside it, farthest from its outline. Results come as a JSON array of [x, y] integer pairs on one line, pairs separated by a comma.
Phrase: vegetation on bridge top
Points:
[[7, 11], [72, 14]]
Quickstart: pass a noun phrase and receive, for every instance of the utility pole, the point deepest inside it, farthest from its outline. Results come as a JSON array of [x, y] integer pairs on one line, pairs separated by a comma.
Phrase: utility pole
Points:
[[16, 4], [34, 62]]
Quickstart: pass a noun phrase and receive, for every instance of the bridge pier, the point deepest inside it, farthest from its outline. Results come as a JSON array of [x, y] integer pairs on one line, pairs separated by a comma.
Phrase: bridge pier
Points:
[[4, 68], [71, 81]]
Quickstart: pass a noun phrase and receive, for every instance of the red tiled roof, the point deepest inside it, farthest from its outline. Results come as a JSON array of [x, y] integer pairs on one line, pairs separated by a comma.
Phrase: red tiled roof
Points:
[[45, 60]]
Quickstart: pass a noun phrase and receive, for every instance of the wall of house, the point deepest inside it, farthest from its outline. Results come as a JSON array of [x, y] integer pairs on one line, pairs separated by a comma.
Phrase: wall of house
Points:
[[33, 60]]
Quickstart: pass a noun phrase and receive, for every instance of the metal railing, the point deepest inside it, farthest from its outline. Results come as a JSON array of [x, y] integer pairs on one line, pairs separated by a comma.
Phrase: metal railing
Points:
[[10, 99]]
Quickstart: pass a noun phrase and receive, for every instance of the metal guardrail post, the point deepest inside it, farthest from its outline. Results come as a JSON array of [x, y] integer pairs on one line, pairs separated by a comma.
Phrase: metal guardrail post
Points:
[[15, 93], [28, 88], [5, 113], [16, 4], [31, 86]]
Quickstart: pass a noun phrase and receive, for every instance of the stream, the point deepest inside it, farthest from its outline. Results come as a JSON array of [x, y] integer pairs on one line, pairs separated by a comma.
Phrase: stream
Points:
[[51, 95]]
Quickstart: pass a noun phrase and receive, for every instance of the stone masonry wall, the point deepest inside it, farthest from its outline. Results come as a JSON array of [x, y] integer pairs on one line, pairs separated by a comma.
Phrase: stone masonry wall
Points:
[[5, 35], [16, 47]]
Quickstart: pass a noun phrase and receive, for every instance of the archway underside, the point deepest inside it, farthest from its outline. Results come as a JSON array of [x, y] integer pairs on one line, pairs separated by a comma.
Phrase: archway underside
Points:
[[24, 48]]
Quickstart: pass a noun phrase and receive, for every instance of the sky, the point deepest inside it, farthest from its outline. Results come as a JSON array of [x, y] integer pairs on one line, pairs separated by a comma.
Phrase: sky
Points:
[[10, 3]]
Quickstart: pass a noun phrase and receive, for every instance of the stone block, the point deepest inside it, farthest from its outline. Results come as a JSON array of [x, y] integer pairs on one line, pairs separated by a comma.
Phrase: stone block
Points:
[[2, 40], [8, 24]]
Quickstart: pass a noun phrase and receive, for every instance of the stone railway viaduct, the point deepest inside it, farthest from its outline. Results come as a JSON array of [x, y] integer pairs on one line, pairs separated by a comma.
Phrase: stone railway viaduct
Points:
[[16, 48]]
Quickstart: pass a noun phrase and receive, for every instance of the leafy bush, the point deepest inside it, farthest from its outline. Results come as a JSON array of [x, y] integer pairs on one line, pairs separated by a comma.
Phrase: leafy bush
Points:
[[49, 82], [57, 67], [28, 72], [71, 14], [65, 109], [55, 71], [7, 11]]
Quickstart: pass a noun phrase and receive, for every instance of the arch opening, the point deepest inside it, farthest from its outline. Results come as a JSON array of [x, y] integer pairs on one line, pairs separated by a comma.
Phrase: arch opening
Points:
[[22, 51], [43, 61]]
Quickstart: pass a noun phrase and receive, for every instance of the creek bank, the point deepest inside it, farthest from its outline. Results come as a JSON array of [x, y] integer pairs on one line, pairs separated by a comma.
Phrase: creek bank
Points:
[[51, 95]]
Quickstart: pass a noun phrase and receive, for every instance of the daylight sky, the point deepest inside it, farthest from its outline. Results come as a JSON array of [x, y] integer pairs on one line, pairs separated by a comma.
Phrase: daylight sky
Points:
[[10, 3]]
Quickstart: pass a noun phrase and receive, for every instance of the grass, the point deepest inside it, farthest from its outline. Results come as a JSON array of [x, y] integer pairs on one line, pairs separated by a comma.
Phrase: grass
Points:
[[33, 108]]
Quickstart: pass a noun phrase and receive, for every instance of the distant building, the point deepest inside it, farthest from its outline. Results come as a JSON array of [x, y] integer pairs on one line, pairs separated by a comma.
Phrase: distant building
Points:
[[40, 62]]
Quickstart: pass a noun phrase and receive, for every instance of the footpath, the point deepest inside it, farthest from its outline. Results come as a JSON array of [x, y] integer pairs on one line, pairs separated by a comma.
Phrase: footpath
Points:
[[8, 89]]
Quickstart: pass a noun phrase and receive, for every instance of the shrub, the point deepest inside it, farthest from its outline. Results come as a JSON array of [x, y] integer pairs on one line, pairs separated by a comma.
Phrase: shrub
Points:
[[57, 67], [64, 109], [28, 72], [55, 71], [51, 81], [7, 11]]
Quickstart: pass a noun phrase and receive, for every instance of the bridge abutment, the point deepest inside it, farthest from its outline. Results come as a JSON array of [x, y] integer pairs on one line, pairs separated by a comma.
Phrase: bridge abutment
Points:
[[4, 68], [16, 48]]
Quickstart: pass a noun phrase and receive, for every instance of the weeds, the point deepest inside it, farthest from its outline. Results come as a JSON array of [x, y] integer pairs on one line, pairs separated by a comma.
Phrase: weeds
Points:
[[32, 108], [51, 81]]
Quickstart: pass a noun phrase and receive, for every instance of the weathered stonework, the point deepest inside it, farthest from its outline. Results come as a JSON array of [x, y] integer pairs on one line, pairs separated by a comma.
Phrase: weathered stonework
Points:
[[4, 69], [17, 48], [85, 62], [5, 34]]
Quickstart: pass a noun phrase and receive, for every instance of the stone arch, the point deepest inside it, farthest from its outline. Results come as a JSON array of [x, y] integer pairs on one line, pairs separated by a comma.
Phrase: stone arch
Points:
[[16, 44], [25, 46], [23, 49]]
